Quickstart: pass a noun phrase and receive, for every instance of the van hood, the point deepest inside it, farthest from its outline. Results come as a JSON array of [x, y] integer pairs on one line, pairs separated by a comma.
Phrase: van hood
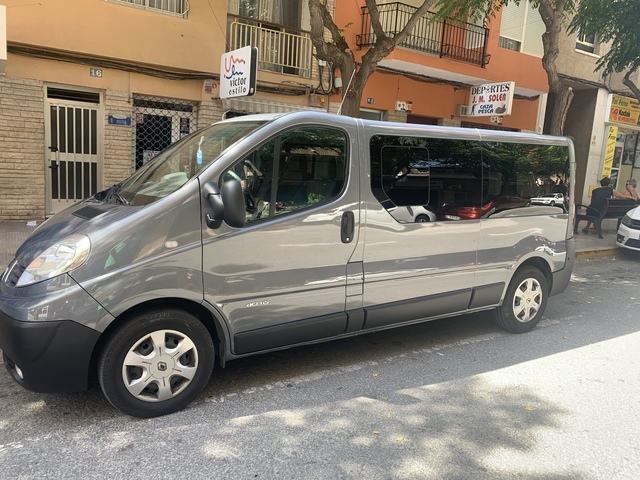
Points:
[[80, 218], [634, 214]]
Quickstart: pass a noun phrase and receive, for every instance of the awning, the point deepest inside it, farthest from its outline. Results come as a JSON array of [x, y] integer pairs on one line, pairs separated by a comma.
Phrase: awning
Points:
[[255, 105]]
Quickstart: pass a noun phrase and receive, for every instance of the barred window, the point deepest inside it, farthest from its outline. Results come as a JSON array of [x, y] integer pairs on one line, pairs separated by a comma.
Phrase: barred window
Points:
[[172, 7]]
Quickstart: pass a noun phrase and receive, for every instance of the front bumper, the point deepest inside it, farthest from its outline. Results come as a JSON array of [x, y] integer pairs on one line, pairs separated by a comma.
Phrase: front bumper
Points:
[[50, 356], [628, 238], [46, 334]]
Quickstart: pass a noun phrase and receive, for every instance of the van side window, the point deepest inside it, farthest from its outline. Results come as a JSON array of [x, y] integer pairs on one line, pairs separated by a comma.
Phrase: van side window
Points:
[[411, 174], [421, 179], [310, 169]]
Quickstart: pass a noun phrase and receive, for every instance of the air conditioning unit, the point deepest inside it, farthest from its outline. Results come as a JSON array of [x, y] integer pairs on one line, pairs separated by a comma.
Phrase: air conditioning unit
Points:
[[462, 111], [401, 106]]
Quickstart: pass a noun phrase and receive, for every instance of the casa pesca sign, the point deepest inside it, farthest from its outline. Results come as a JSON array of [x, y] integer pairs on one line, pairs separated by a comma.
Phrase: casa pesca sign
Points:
[[491, 99]]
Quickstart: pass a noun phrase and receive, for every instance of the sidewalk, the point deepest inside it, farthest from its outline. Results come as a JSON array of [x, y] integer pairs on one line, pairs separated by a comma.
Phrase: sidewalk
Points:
[[12, 234]]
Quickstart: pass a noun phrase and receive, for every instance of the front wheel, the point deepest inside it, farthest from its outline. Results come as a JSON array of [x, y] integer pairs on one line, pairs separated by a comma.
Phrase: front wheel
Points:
[[422, 218], [524, 302], [156, 363]]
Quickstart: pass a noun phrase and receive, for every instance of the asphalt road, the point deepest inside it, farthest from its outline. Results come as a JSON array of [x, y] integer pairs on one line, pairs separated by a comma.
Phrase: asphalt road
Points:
[[454, 399]]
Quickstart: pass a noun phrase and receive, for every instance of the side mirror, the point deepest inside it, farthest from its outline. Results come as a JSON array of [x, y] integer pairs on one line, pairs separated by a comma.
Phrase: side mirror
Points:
[[226, 203], [234, 203]]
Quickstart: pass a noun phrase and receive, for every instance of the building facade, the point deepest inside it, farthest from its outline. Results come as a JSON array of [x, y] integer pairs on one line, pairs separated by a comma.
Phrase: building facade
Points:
[[428, 79], [91, 90]]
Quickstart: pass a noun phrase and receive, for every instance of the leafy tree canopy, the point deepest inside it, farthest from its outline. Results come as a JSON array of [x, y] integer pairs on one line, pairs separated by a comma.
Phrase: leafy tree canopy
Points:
[[616, 22]]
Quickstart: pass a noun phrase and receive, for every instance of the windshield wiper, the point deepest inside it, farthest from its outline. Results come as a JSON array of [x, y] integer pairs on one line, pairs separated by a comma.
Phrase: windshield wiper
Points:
[[114, 192]]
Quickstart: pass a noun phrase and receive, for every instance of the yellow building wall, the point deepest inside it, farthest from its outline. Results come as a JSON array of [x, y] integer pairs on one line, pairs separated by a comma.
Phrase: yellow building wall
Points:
[[119, 31]]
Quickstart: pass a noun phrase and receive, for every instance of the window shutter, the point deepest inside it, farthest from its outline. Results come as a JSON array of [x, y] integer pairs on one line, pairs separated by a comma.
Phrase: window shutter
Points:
[[533, 31], [512, 25]]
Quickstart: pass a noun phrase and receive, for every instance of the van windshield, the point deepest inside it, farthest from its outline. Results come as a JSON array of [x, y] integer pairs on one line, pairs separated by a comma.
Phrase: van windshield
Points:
[[173, 167]]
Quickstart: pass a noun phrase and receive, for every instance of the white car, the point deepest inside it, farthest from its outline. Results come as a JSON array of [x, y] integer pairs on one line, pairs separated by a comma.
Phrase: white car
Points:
[[629, 230], [552, 199], [413, 213]]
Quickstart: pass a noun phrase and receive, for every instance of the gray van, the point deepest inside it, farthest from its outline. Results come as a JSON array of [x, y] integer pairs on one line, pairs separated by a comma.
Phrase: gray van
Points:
[[264, 232]]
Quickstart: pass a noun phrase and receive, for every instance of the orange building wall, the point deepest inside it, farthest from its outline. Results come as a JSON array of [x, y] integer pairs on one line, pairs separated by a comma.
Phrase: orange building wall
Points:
[[438, 100]]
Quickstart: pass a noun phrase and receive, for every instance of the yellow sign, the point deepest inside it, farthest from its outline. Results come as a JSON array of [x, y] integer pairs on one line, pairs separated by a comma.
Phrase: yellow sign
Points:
[[624, 110], [611, 150]]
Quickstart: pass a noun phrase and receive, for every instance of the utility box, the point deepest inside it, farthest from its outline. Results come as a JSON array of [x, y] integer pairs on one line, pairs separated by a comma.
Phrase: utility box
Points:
[[316, 100]]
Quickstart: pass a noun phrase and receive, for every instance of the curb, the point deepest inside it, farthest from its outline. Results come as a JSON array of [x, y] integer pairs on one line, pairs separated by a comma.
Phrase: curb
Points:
[[597, 252]]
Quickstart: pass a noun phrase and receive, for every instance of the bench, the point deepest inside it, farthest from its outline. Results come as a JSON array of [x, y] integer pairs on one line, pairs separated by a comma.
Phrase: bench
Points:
[[612, 208]]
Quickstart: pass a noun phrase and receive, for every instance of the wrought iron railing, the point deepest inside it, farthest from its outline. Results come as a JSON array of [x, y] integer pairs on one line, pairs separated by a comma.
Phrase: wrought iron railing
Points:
[[280, 49], [449, 38]]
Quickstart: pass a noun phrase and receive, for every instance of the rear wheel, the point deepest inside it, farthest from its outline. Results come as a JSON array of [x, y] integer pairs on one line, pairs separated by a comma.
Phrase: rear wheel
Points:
[[422, 218], [524, 302], [156, 363]]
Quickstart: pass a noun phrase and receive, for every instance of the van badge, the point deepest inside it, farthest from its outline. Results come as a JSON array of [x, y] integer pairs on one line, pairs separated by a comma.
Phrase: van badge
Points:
[[257, 304]]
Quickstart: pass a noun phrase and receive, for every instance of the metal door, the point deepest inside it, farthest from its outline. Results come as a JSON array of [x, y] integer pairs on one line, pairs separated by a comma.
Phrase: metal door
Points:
[[73, 157]]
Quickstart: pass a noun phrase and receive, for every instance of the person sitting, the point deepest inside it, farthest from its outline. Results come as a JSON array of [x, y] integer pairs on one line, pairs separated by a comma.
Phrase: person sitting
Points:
[[631, 189], [599, 196]]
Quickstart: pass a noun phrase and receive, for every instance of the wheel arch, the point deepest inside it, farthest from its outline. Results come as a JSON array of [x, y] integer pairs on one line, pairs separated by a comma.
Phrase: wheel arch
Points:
[[541, 265], [208, 318]]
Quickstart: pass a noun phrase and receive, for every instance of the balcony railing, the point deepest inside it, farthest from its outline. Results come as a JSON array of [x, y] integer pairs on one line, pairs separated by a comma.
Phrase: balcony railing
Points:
[[280, 49], [449, 38]]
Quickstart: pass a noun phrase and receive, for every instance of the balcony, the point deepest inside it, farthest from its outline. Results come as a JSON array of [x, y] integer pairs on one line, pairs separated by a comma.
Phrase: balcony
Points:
[[449, 38], [281, 49]]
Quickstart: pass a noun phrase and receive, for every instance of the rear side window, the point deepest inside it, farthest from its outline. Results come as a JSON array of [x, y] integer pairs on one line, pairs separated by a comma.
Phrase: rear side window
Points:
[[300, 168], [463, 179]]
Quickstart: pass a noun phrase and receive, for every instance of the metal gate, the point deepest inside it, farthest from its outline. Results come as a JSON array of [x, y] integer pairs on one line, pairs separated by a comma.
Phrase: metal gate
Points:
[[159, 122], [73, 157]]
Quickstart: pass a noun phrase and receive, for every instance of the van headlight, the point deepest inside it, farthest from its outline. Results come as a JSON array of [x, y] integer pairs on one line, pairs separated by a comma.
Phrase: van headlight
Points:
[[626, 221], [62, 257]]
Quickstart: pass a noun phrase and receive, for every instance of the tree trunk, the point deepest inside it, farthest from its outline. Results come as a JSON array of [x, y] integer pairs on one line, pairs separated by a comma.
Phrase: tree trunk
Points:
[[552, 16]]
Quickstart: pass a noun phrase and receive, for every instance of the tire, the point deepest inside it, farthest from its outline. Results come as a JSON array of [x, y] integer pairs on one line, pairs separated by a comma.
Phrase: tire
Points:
[[524, 302], [422, 219], [156, 363], [553, 203]]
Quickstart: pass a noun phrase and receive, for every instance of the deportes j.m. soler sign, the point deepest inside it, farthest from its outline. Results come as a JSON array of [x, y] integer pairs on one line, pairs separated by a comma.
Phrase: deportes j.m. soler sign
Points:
[[238, 72], [491, 99]]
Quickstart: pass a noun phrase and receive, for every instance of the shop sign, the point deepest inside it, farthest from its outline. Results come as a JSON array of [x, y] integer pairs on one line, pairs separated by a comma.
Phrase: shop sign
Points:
[[610, 152], [624, 110], [238, 72], [491, 99]]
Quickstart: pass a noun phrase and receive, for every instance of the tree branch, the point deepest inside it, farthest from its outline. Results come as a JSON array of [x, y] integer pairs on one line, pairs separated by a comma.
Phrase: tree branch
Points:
[[629, 83]]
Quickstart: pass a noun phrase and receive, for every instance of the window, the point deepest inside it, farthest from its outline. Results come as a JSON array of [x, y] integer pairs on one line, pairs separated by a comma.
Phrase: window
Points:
[[521, 28], [586, 42], [174, 7], [462, 179], [307, 163]]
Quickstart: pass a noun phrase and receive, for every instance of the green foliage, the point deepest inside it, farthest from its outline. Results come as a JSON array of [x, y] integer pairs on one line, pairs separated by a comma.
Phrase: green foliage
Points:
[[615, 21]]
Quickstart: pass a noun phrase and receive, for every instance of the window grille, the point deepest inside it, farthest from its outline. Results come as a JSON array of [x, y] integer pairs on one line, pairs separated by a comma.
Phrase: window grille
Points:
[[173, 7], [160, 122]]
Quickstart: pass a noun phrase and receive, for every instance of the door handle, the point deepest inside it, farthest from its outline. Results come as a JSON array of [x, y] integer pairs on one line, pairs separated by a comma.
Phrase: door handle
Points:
[[347, 227], [54, 163]]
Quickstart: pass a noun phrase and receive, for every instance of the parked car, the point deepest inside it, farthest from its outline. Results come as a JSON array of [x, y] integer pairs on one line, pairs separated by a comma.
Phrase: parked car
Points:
[[414, 213], [552, 199], [464, 211], [629, 230]]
